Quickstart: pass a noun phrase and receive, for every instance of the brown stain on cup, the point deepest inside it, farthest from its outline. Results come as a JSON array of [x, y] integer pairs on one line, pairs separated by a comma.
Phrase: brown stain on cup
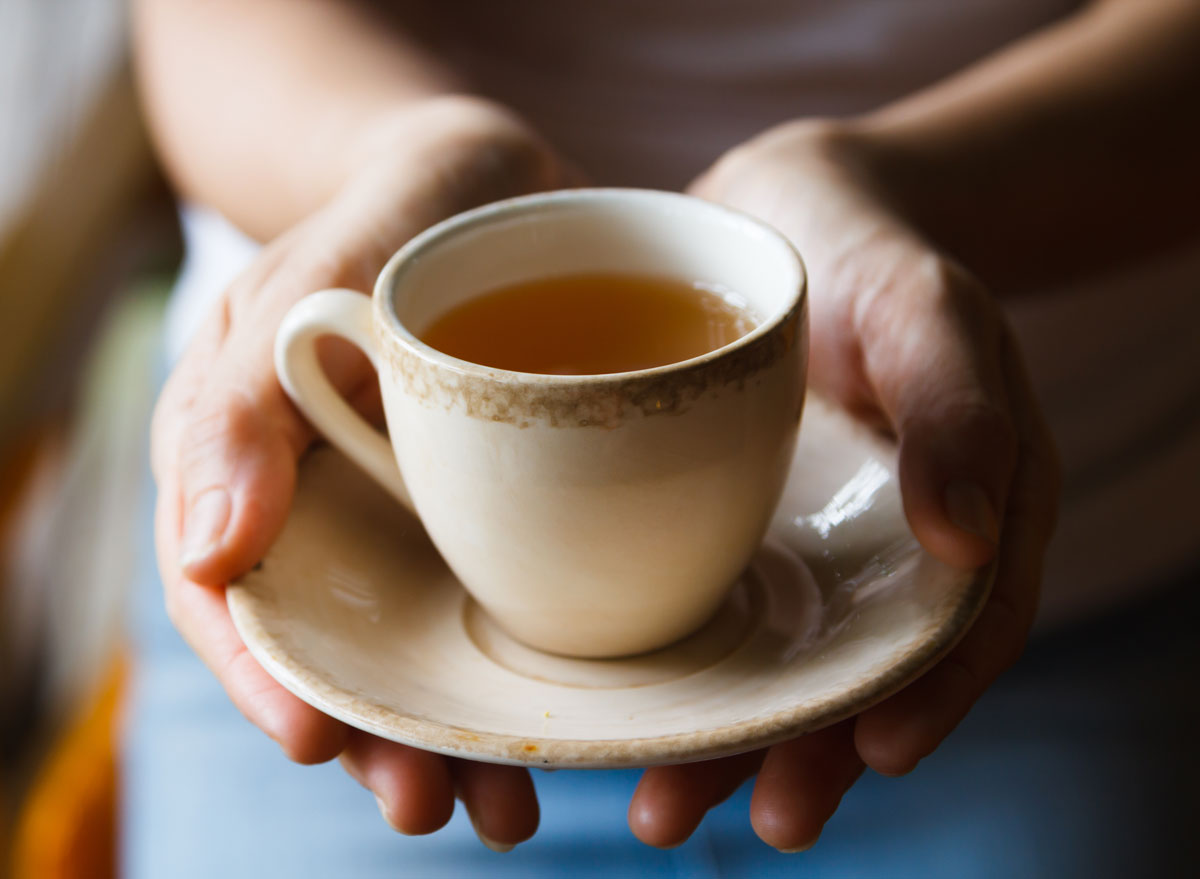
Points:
[[522, 399]]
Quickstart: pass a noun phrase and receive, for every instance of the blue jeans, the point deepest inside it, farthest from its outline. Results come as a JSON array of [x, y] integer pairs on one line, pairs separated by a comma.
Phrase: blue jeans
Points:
[[1080, 762]]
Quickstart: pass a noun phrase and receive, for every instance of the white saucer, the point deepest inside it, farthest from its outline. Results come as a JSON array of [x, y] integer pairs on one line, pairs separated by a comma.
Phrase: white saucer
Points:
[[354, 612]]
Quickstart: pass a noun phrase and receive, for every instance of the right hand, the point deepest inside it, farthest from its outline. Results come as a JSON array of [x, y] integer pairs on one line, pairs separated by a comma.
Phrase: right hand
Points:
[[910, 342], [226, 440]]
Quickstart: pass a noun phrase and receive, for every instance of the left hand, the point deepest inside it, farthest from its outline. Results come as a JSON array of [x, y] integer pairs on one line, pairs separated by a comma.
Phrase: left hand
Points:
[[905, 338], [226, 440]]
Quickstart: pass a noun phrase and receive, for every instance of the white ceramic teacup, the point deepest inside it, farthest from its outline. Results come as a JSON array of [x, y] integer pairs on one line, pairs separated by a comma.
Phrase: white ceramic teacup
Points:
[[590, 515]]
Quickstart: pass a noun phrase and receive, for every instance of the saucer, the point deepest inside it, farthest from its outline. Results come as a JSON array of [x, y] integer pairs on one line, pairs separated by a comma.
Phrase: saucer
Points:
[[354, 612]]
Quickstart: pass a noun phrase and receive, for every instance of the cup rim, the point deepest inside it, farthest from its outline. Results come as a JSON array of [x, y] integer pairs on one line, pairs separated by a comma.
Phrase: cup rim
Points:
[[393, 272]]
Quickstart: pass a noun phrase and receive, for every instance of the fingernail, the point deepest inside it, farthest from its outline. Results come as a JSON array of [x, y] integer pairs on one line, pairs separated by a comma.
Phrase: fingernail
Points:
[[500, 847], [797, 849], [968, 507], [384, 812], [204, 526]]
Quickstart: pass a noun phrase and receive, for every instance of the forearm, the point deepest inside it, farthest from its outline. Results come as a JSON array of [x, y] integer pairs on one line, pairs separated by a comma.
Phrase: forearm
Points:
[[1068, 153], [262, 110]]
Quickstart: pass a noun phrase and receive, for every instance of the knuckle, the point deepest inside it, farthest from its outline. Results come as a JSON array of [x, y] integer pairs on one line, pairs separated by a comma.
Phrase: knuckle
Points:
[[219, 425], [979, 414], [520, 162], [940, 285], [963, 297], [911, 289], [746, 168], [972, 418], [951, 275]]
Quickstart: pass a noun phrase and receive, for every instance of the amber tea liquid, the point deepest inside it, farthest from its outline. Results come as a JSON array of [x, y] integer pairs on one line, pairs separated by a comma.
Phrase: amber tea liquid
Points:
[[588, 324]]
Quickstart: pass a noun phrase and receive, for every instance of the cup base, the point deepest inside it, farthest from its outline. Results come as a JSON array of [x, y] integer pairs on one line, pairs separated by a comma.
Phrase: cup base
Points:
[[719, 636], [740, 615]]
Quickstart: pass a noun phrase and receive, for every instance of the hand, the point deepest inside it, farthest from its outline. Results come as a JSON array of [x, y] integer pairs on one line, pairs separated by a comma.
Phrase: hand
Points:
[[226, 439], [908, 340]]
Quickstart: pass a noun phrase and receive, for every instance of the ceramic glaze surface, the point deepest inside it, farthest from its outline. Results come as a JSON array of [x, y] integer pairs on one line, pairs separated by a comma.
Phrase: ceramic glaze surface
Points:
[[355, 612], [594, 515]]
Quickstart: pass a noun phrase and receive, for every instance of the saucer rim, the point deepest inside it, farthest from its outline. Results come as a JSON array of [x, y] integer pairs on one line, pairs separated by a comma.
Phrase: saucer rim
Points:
[[949, 622]]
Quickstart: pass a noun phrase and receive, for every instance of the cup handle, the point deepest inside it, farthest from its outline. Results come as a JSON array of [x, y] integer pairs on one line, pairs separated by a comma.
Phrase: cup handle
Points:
[[347, 314]]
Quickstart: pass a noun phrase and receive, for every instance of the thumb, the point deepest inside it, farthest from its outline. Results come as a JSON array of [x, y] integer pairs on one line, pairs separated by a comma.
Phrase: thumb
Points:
[[239, 447], [934, 356]]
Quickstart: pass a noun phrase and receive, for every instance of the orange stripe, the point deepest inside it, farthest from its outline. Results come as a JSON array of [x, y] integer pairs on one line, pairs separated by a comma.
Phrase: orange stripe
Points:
[[67, 826]]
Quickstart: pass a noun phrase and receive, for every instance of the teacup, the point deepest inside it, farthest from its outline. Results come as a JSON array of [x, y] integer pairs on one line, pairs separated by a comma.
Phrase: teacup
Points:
[[589, 515]]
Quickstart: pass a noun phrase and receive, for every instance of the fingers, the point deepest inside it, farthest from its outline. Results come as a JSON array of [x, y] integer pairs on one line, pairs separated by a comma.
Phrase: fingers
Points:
[[895, 735], [186, 424], [305, 734], [237, 468], [225, 445], [500, 801], [414, 788], [238, 444], [800, 785], [931, 351], [670, 801], [231, 438], [200, 614]]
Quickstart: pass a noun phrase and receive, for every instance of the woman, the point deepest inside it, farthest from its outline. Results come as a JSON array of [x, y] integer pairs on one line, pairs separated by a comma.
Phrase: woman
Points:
[[924, 190]]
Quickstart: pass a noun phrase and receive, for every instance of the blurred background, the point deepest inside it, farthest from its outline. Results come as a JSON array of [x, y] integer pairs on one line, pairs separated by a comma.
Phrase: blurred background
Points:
[[88, 247]]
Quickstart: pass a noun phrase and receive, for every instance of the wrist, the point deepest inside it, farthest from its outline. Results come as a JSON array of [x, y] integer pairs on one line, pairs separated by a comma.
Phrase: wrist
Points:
[[423, 162], [817, 181], [475, 143]]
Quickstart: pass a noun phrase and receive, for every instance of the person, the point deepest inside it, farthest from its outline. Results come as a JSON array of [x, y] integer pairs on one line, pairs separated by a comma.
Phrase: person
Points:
[[947, 170]]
